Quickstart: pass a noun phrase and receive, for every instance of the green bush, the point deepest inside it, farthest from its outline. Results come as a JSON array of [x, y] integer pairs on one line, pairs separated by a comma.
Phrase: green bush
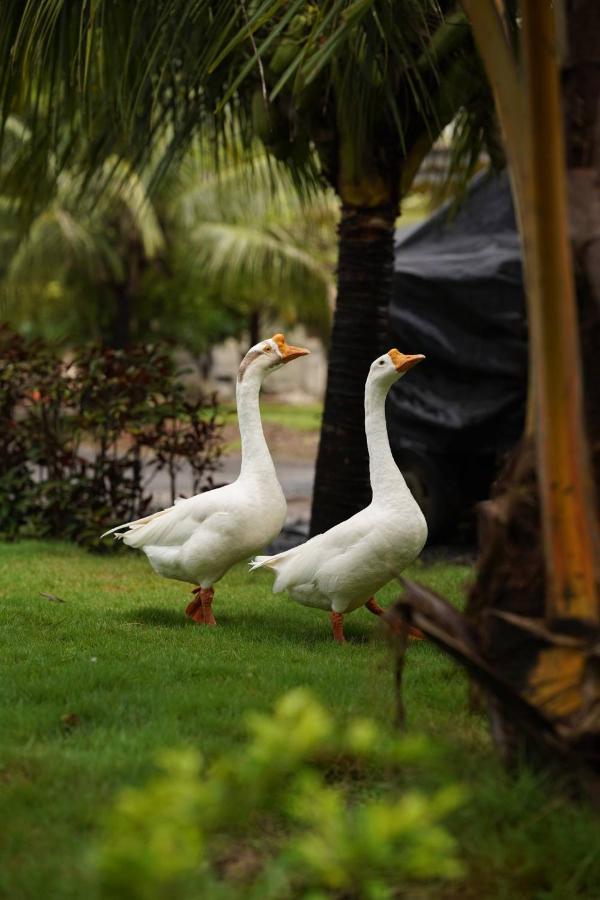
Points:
[[81, 438], [274, 820]]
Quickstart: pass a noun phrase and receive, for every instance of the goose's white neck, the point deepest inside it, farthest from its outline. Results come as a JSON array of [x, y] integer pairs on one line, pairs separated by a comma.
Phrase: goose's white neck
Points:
[[256, 459], [386, 477]]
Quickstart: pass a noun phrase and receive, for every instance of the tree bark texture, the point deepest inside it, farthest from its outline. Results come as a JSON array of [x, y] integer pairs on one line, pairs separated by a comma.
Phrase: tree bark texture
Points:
[[365, 274], [370, 180], [254, 327], [125, 290]]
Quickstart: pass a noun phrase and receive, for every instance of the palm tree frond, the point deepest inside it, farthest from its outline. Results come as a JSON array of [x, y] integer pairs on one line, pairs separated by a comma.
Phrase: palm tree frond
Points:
[[241, 258]]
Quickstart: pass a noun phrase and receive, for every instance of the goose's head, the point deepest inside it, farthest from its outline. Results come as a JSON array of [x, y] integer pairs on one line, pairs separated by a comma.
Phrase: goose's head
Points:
[[393, 365], [266, 356]]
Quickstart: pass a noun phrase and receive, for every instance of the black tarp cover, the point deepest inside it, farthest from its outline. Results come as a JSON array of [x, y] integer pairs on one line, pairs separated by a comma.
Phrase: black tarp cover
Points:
[[458, 298]]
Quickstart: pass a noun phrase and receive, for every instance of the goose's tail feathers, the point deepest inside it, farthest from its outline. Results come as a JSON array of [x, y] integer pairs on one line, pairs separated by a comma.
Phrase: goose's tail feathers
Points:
[[125, 527], [266, 562], [114, 531], [260, 562]]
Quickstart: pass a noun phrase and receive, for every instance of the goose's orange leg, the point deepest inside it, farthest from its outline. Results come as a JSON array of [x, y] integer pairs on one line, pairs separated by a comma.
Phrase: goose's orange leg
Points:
[[200, 608], [194, 609], [207, 598], [337, 623], [373, 606]]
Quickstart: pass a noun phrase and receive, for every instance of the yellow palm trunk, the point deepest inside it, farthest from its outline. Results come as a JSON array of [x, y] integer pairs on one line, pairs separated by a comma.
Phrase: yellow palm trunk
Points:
[[528, 105], [568, 516], [509, 97], [531, 632]]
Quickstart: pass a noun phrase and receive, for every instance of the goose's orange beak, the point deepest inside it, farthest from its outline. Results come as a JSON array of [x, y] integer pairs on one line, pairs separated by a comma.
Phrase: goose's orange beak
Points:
[[404, 362], [288, 353]]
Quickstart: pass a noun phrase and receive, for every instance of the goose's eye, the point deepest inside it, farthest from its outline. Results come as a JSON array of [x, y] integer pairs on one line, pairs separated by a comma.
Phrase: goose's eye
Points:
[[267, 348], [381, 362]]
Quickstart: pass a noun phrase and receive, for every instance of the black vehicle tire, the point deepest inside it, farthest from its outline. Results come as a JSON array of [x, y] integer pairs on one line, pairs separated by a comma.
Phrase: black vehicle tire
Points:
[[434, 488]]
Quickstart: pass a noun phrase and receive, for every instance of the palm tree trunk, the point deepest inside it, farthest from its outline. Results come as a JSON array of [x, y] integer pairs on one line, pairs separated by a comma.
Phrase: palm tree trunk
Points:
[[254, 327], [535, 600], [365, 273], [534, 611], [562, 451]]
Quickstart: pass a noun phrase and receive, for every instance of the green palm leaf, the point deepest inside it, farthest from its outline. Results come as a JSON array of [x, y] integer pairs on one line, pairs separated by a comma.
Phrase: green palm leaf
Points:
[[253, 239], [96, 77]]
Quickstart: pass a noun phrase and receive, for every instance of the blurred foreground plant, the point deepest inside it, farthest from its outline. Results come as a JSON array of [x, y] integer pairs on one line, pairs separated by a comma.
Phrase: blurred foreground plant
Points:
[[80, 439], [270, 821]]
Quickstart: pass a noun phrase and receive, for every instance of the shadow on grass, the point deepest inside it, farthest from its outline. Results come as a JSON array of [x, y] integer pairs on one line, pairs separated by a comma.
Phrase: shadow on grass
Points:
[[258, 628], [317, 632], [158, 615]]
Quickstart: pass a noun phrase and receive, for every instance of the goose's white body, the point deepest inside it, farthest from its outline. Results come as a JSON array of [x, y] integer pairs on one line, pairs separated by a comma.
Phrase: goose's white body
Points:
[[200, 538], [344, 567]]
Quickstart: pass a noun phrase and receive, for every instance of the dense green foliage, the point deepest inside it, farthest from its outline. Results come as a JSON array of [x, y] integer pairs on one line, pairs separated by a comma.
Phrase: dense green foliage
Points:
[[244, 231], [188, 830], [193, 263], [80, 438], [97, 100], [143, 79], [93, 690]]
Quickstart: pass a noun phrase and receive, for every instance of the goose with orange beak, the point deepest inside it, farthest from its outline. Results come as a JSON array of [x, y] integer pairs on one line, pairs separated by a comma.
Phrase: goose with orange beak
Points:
[[200, 538], [343, 568]]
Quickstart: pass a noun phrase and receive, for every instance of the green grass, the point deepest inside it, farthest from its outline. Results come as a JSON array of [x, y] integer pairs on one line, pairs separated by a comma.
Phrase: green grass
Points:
[[119, 655], [301, 417]]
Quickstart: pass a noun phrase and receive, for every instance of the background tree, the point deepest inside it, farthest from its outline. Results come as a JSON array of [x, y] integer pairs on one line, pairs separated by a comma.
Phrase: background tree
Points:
[[265, 249], [197, 262], [78, 267], [365, 86], [370, 86]]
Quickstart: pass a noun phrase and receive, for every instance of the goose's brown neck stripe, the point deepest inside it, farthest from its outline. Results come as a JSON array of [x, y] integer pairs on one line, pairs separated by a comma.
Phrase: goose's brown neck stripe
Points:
[[248, 360]]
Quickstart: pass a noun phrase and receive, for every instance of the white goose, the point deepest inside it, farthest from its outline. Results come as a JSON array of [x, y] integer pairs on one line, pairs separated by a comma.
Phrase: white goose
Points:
[[342, 569], [200, 538]]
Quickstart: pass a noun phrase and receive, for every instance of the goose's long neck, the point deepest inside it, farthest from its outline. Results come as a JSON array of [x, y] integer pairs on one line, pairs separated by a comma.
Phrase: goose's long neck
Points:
[[256, 459], [385, 474]]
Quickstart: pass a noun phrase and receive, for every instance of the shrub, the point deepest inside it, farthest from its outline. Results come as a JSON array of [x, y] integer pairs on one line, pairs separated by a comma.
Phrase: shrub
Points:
[[81, 439], [271, 821]]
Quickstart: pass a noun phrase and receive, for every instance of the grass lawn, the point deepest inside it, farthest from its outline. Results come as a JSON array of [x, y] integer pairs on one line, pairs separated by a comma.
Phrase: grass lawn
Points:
[[119, 658], [297, 417]]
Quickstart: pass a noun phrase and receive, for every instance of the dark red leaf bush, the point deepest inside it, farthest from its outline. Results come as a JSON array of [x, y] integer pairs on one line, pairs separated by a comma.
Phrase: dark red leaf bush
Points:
[[81, 438]]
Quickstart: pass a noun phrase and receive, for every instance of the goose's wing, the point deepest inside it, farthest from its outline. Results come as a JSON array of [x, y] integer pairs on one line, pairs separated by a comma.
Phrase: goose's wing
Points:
[[175, 525]]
